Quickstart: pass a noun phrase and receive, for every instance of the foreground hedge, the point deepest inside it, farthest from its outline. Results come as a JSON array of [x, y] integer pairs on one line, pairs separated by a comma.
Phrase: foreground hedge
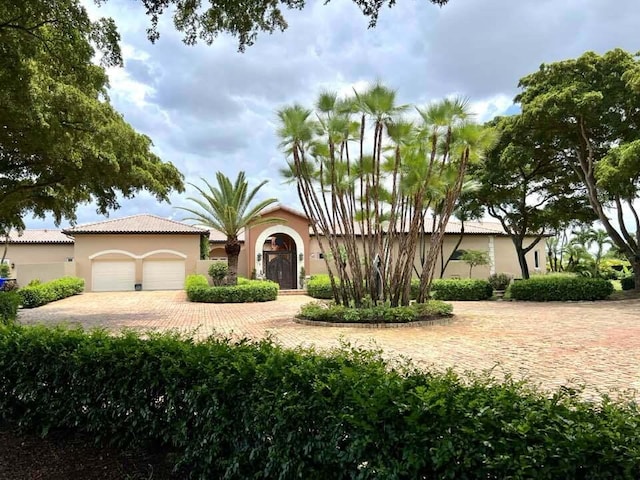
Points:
[[321, 312], [628, 283], [9, 303], [254, 410], [547, 288], [198, 290], [42, 293]]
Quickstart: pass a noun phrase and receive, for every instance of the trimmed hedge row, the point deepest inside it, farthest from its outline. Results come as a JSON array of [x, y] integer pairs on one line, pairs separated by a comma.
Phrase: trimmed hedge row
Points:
[[549, 288], [457, 289], [35, 295], [321, 312], [255, 410], [628, 283], [198, 290], [319, 286]]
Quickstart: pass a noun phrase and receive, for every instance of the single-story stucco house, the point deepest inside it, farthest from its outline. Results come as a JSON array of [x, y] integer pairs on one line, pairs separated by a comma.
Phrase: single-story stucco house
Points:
[[147, 252]]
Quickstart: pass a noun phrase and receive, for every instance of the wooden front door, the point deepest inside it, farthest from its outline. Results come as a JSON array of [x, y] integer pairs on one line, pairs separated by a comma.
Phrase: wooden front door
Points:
[[281, 268]]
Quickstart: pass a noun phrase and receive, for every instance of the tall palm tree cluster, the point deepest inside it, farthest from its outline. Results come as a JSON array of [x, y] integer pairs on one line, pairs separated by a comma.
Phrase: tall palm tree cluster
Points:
[[372, 176]]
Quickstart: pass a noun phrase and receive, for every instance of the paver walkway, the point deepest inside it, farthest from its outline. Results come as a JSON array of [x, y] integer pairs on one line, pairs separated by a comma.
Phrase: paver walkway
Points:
[[549, 343]]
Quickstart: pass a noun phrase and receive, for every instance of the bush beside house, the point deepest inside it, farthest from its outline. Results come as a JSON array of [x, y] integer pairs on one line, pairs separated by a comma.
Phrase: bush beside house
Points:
[[198, 290], [548, 288], [37, 294]]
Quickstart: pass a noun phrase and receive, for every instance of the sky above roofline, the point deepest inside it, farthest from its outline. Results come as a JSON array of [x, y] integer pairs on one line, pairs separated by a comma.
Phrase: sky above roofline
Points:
[[210, 108]]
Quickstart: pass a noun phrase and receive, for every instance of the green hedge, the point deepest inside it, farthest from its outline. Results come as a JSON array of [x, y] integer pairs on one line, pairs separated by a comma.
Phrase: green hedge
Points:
[[9, 303], [42, 293], [255, 410], [198, 290], [375, 314], [319, 286], [628, 283], [546, 288], [467, 289]]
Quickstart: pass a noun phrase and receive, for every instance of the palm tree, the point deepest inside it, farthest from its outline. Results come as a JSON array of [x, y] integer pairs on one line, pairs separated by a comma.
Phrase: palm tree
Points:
[[226, 208]]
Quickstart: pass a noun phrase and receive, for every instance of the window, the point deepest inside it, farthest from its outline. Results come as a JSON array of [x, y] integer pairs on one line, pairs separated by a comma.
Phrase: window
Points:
[[536, 259], [458, 254]]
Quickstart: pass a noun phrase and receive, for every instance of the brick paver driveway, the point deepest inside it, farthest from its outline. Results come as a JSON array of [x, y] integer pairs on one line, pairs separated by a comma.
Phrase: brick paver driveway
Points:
[[551, 343]]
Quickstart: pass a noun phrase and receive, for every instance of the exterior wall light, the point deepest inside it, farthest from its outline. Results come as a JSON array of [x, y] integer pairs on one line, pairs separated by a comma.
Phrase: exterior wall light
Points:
[[259, 256], [301, 256]]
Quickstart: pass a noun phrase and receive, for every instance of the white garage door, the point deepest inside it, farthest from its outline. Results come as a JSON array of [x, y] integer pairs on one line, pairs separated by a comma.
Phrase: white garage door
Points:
[[163, 275], [113, 276]]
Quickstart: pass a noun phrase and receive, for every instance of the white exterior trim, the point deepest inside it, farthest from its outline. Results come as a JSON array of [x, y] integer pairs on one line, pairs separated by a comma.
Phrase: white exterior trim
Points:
[[107, 252], [164, 250], [492, 254], [133, 255], [272, 231]]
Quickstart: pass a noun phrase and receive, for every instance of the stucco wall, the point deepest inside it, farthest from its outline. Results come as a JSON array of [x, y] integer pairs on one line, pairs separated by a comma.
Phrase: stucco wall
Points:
[[134, 246], [44, 272], [29, 253], [504, 255]]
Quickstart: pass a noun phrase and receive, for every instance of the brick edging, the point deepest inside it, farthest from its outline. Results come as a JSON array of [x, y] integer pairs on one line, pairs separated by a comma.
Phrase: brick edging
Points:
[[420, 323]]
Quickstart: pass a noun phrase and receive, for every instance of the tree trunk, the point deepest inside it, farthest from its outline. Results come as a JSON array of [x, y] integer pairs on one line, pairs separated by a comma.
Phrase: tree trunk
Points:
[[636, 273], [522, 260], [232, 249]]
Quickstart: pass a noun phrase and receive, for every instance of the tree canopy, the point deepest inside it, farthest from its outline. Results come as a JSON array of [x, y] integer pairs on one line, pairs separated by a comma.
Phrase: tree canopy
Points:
[[61, 142], [205, 20], [586, 112], [526, 188]]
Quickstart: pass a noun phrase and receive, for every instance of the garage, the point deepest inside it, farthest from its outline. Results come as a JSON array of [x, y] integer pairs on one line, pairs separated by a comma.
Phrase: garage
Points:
[[113, 276], [163, 274]]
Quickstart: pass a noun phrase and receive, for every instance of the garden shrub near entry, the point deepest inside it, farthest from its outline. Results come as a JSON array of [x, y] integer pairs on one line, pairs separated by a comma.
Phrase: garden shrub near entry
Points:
[[547, 288], [256, 410], [37, 294], [467, 289], [322, 312], [319, 286], [198, 290]]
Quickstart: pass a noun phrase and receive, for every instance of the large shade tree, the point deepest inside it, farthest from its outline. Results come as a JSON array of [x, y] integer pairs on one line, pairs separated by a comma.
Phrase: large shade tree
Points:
[[526, 188], [206, 19], [374, 184], [61, 142], [227, 207], [586, 111]]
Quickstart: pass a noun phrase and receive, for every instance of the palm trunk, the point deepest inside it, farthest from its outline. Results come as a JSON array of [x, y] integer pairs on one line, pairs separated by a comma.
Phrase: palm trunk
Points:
[[232, 249]]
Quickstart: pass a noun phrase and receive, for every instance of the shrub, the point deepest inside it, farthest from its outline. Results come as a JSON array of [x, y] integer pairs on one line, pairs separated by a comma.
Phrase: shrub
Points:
[[499, 281], [42, 293], [628, 283], [218, 271], [198, 290], [9, 303], [468, 289], [5, 270], [319, 286], [322, 312], [546, 288], [256, 410]]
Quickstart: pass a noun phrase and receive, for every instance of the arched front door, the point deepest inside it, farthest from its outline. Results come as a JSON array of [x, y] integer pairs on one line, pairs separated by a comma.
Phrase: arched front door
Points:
[[280, 260]]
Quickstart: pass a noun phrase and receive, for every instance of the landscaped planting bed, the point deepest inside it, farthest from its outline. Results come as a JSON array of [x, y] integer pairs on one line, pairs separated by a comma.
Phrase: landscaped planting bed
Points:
[[329, 313], [256, 410], [198, 290]]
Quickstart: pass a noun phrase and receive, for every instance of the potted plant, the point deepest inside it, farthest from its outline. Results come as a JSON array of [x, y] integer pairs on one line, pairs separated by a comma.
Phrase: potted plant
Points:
[[500, 282]]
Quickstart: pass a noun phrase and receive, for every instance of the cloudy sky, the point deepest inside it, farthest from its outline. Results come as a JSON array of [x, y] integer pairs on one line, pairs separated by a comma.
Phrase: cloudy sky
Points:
[[210, 108]]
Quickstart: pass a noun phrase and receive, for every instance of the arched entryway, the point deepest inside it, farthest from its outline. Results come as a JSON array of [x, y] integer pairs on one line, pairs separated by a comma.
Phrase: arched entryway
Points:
[[279, 255]]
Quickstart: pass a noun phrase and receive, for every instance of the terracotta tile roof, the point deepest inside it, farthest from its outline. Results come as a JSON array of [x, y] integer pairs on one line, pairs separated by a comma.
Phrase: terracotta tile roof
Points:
[[453, 227], [39, 236], [277, 207], [144, 223], [218, 237]]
